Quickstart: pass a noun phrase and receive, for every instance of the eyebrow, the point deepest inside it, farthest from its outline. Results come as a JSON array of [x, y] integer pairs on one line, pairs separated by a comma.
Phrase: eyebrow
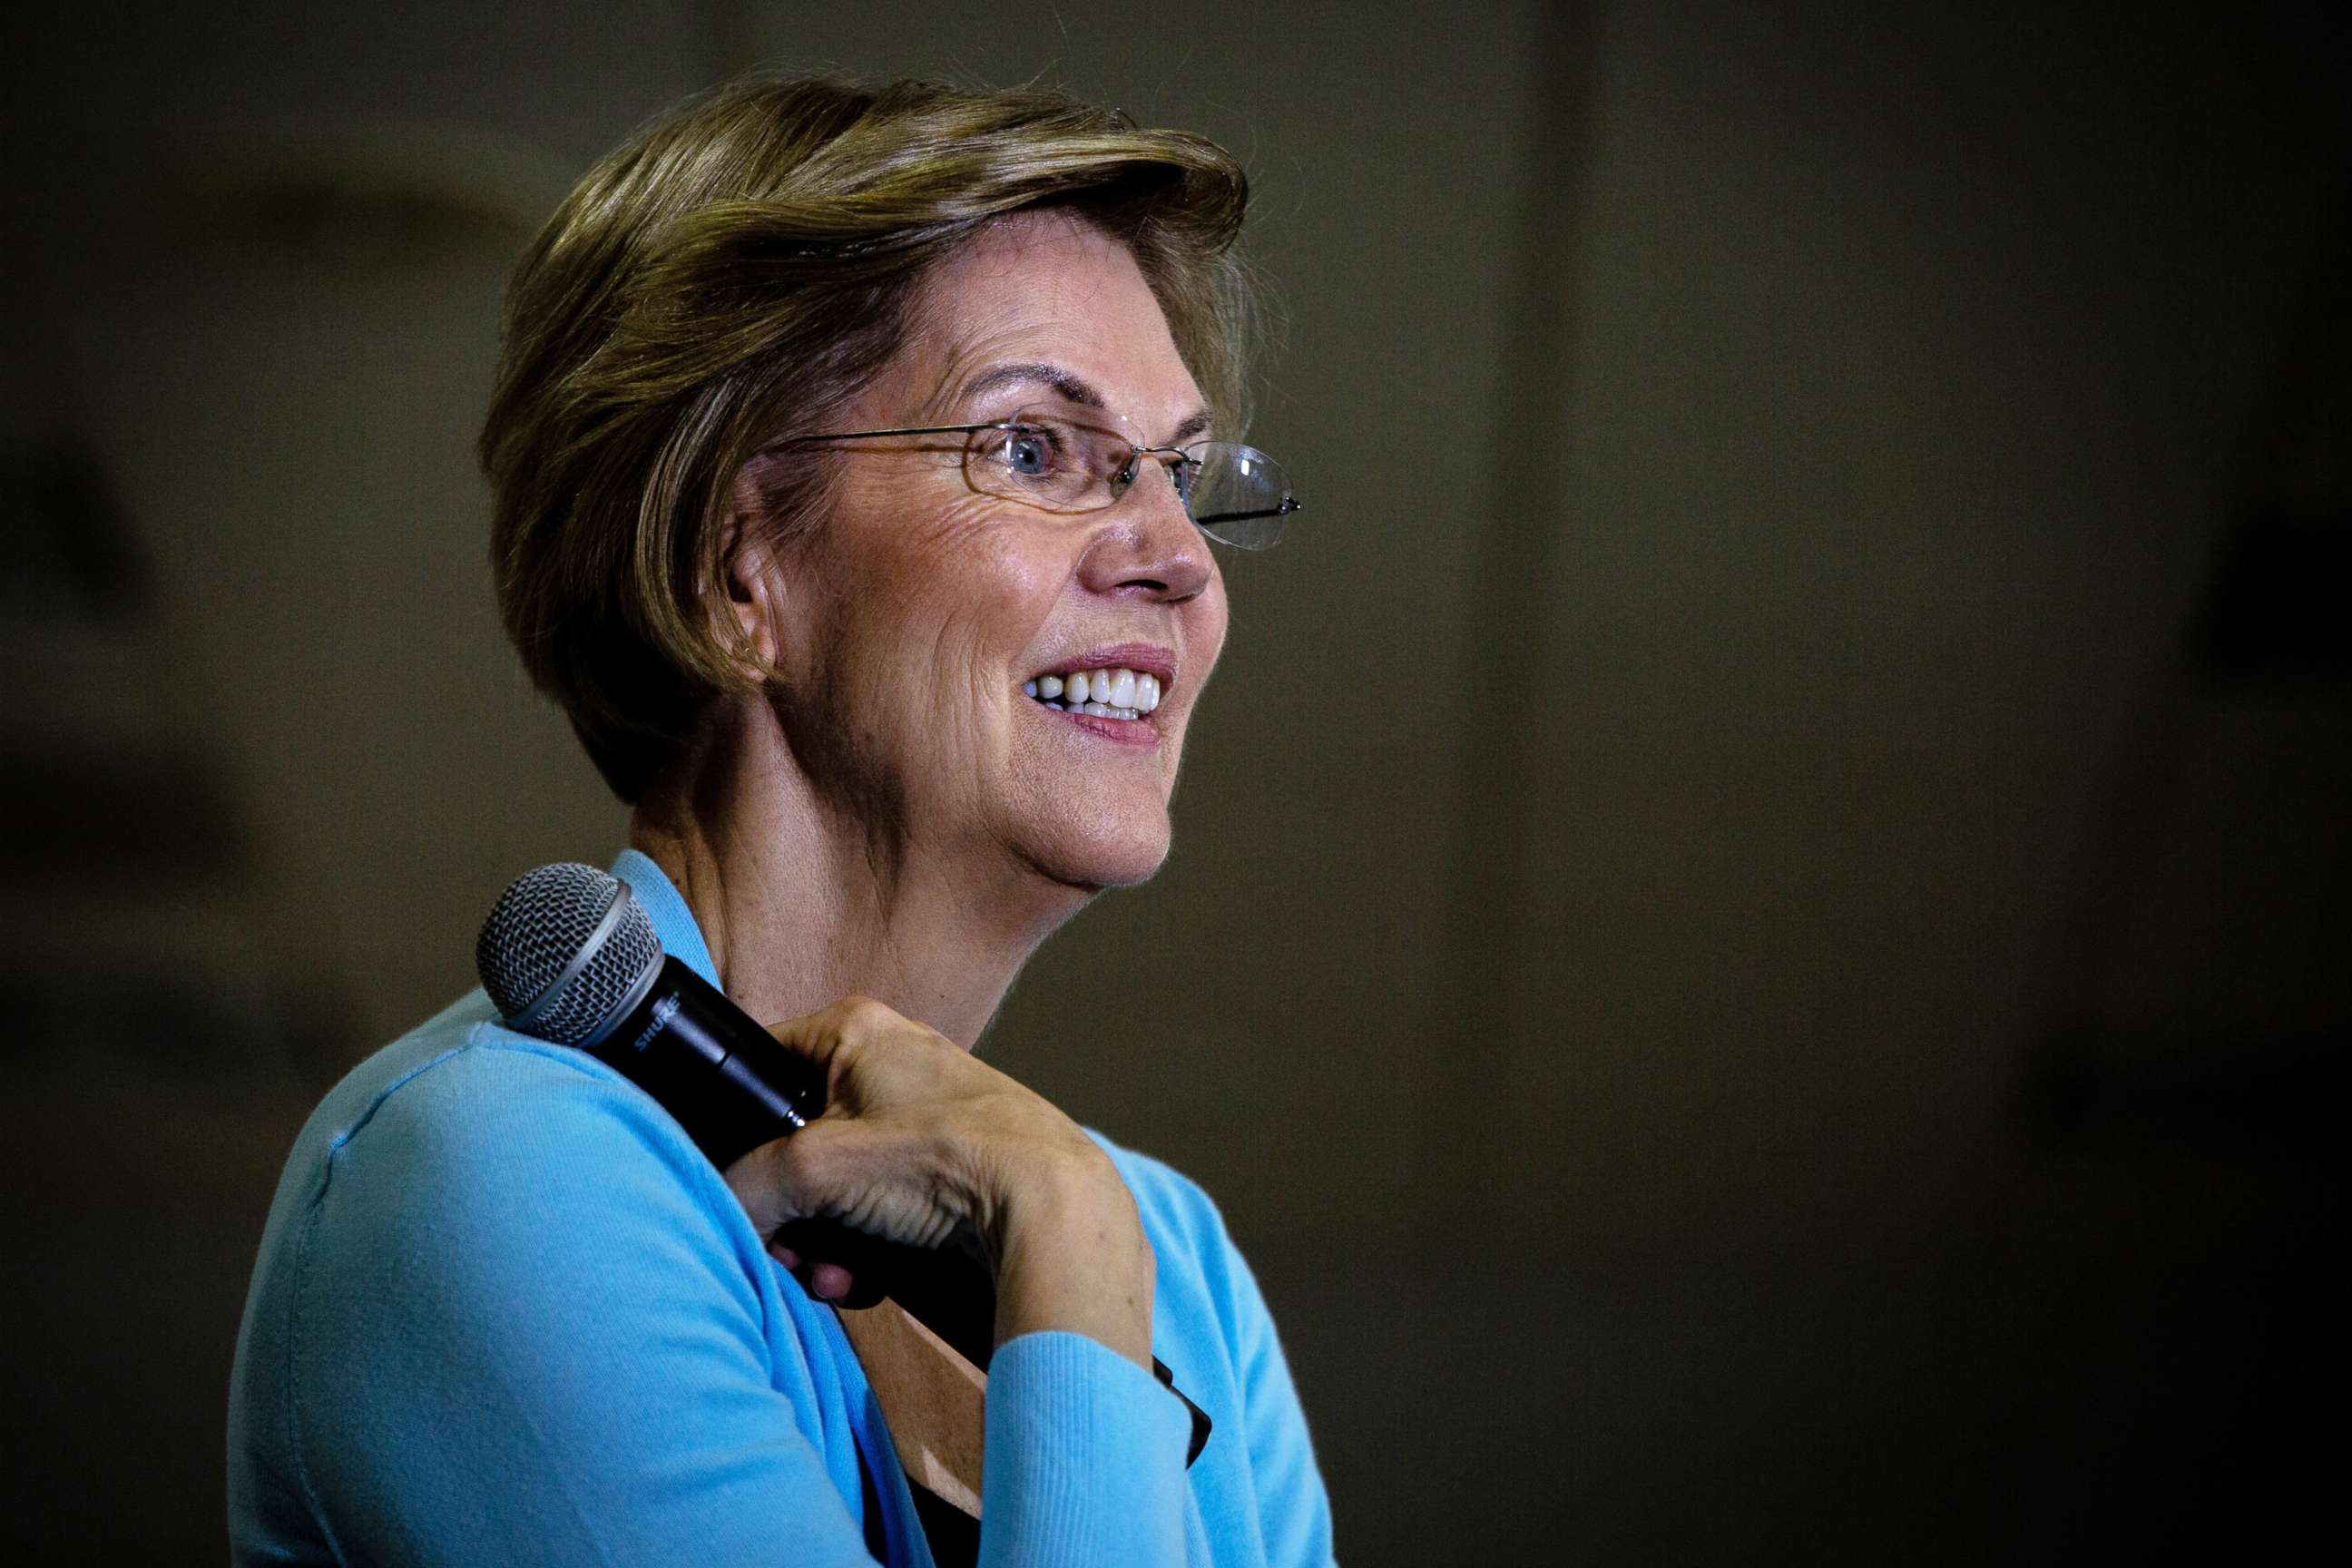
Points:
[[1053, 377], [1068, 387]]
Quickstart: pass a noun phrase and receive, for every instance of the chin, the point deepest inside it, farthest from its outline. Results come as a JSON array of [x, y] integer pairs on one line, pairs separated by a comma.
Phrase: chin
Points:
[[1096, 862]]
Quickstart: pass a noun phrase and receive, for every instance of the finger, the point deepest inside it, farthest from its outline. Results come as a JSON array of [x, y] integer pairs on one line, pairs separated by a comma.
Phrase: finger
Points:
[[822, 1037], [829, 1281], [839, 1284], [868, 1262], [856, 1286]]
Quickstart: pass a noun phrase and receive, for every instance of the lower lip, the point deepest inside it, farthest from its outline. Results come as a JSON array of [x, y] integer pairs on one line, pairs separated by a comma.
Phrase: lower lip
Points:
[[1139, 733]]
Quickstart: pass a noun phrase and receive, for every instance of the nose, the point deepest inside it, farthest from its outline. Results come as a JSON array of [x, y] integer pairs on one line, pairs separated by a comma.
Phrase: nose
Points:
[[1147, 546]]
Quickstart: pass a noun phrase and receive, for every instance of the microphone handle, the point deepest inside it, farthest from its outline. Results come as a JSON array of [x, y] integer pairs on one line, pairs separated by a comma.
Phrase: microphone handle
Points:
[[724, 1078]]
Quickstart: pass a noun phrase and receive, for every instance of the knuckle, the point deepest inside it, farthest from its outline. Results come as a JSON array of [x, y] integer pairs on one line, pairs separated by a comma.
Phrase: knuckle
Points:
[[860, 1016], [802, 1163]]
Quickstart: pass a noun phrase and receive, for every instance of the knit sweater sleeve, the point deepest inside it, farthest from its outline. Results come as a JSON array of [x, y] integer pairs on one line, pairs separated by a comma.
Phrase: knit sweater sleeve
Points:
[[1084, 1458]]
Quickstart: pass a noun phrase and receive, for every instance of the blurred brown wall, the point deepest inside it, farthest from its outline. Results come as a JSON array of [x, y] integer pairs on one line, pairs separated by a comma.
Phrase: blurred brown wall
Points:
[[1750, 988]]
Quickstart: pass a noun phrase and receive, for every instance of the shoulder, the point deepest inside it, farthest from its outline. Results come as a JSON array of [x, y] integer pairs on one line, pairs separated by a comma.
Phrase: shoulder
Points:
[[475, 1100], [464, 1142], [486, 1199], [1174, 1208], [505, 1310], [1201, 1274]]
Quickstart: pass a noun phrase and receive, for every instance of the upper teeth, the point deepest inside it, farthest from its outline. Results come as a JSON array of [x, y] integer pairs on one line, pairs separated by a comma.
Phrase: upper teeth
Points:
[[1114, 693]]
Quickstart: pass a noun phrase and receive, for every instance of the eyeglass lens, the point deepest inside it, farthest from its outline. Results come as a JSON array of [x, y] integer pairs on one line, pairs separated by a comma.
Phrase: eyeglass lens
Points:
[[1234, 493]]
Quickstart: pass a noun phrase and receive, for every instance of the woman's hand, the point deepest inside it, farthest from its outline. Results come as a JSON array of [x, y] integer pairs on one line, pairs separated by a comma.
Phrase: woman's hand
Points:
[[919, 1140]]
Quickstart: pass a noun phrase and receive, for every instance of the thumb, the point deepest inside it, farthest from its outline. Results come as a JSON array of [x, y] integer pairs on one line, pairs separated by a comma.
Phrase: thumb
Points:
[[826, 1039]]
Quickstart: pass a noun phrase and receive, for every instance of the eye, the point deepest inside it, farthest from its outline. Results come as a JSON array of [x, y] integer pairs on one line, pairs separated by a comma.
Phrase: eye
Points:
[[1040, 461], [1029, 452], [1034, 450]]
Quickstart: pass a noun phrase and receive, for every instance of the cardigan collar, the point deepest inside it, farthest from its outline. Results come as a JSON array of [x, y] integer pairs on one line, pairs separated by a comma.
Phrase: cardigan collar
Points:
[[674, 923]]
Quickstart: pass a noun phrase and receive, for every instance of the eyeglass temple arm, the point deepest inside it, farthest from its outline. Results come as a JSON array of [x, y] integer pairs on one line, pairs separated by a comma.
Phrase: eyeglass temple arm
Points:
[[908, 430], [1289, 504]]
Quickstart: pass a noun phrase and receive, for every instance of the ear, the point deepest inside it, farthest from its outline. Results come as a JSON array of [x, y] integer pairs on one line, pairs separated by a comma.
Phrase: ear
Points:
[[751, 579]]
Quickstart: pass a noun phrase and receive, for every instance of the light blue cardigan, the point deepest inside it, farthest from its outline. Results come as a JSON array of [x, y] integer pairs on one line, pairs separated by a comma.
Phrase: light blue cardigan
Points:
[[505, 1312]]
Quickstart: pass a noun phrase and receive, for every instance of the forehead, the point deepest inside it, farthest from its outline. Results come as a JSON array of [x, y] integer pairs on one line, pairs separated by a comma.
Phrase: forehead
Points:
[[1049, 289]]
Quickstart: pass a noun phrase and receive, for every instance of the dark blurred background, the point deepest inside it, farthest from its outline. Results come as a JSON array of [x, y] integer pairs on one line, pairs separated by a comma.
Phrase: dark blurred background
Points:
[[1757, 950]]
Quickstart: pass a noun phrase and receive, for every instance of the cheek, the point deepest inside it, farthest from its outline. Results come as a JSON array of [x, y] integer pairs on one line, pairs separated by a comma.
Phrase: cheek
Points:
[[982, 590], [941, 601]]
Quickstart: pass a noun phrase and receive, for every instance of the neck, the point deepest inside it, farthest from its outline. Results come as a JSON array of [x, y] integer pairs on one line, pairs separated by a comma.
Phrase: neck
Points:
[[804, 898]]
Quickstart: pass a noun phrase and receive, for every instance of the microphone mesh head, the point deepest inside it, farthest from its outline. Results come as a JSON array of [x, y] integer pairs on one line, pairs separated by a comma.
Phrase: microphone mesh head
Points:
[[537, 928]]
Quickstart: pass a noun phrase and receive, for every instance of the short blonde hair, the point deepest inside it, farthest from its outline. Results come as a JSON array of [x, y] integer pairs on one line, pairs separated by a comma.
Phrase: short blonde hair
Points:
[[738, 270]]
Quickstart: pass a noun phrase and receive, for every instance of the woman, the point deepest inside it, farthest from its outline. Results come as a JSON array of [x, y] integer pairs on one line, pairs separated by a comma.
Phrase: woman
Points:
[[856, 454]]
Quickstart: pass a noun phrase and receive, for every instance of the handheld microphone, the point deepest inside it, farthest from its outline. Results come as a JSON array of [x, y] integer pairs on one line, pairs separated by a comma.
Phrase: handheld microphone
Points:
[[569, 956]]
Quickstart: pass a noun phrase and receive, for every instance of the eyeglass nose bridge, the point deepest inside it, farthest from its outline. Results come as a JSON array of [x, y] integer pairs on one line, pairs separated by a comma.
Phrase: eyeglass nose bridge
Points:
[[1171, 458]]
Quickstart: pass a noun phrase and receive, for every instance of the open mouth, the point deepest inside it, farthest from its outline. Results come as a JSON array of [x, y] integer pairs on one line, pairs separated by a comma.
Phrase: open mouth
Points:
[[1112, 692]]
